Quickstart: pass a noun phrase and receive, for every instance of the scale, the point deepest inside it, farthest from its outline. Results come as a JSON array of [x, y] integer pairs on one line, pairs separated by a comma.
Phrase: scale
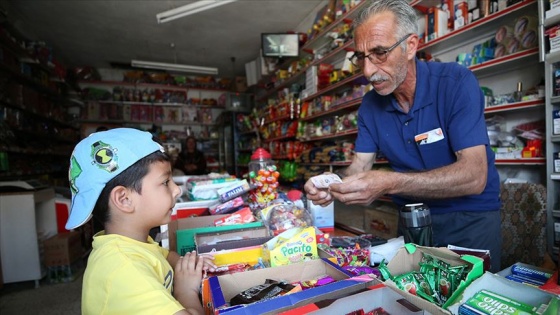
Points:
[[19, 185]]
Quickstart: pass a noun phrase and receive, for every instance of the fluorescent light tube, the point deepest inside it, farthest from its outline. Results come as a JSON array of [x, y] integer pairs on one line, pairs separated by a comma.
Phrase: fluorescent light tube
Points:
[[173, 67], [192, 8]]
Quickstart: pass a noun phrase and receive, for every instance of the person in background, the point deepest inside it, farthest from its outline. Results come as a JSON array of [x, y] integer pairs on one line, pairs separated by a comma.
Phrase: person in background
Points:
[[122, 177], [190, 160], [427, 120]]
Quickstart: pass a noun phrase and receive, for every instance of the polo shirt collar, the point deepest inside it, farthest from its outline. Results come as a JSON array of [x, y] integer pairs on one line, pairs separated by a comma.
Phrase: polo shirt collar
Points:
[[422, 95]]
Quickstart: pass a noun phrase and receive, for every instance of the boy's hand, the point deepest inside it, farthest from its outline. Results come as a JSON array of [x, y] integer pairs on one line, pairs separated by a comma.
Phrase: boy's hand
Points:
[[208, 262], [188, 274]]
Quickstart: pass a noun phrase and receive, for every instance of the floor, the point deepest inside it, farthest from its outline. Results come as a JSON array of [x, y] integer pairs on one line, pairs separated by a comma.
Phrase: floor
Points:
[[48, 299]]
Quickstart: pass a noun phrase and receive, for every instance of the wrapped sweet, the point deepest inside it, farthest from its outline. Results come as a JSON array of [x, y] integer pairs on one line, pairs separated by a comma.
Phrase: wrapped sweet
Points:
[[265, 291], [283, 216]]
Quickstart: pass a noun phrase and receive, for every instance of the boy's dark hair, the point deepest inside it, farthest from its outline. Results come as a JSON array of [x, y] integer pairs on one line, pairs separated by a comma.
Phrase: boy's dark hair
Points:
[[129, 178]]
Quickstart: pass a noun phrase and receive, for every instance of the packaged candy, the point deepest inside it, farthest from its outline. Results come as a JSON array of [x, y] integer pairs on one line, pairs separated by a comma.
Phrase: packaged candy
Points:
[[267, 290], [316, 282], [362, 270], [284, 216], [436, 281]]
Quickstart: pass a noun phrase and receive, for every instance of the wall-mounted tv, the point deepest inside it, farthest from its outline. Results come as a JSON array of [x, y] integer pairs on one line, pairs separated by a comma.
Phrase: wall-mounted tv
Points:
[[280, 45]]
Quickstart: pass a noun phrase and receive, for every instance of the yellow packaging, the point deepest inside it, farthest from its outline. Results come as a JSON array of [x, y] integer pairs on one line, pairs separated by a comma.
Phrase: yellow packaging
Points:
[[249, 255], [292, 246]]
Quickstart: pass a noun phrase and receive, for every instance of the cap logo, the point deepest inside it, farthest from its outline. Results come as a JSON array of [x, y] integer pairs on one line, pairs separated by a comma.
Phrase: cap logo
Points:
[[104, 156], [73, 173]]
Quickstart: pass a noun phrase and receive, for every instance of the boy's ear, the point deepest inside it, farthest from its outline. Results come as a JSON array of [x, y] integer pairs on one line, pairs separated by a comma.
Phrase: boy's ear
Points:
[[120, 197]]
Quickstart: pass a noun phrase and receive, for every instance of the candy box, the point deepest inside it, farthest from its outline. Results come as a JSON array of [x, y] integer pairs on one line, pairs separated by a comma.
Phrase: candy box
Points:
[[192, 208], [375, 296], [526, 273], [228, 240], [547, 303], [217, 291], [292, 246], [180, 233], [407, 259]]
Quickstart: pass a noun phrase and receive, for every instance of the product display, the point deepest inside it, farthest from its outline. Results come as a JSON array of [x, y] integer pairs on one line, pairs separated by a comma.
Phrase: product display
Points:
[[304, 123]]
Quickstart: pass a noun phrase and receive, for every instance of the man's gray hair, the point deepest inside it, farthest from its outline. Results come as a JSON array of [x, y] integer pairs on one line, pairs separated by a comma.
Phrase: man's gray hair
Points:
[[404, 13]]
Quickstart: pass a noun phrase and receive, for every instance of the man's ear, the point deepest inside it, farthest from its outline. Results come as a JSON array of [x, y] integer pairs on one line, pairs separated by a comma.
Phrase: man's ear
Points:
[[412, 46], [121, 197]]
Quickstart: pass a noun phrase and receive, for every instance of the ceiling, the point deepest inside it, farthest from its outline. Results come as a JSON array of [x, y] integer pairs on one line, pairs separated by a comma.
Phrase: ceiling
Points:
[[104, 33]]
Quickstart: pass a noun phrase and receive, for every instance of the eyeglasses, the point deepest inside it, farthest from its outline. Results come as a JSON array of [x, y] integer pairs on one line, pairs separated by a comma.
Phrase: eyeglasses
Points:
[[377, 56]]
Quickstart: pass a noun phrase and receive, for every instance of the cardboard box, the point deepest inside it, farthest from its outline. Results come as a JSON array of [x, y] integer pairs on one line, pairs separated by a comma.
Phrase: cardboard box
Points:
[[227, 242], [63, 249], [516, 291], [371, 298], [223, 288], [407, 259], [66, 273], [235, 239], [292, 246], [181, 232], [192, 208]]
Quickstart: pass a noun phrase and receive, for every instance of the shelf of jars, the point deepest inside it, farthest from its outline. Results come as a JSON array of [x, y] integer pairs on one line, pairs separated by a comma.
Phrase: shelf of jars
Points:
[[146, 85], [295, 77], [331, 136], [338, 107], [483, 25], [333, 86], [146, 113], [171, 104], [318, 40], [18, 66], [51, 116]]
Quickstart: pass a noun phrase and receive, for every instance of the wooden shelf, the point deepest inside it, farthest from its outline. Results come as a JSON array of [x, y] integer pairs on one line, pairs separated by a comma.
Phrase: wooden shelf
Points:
[[515, 106], [525, 161], [332, 136]]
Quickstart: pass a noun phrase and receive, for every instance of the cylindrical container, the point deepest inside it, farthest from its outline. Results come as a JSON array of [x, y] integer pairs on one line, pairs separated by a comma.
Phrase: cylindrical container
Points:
[[260, 160], [416, 224]]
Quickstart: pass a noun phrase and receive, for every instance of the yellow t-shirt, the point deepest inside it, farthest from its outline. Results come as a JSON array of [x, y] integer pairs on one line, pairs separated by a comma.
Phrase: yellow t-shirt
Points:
[[124, 276]]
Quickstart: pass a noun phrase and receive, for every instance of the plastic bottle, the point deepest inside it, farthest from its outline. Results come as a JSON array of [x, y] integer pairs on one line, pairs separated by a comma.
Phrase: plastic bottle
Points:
[[416, 223]]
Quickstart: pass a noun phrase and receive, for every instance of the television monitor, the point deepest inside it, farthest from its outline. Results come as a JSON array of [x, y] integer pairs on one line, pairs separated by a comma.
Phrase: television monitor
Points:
[[280, 45]]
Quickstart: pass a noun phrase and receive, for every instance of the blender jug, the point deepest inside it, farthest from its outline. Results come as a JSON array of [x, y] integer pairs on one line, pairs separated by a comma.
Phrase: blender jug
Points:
[[416, 224]]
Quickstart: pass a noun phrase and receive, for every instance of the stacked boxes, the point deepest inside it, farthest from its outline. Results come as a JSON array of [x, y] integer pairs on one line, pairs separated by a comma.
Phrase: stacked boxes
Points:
[[62, 256]]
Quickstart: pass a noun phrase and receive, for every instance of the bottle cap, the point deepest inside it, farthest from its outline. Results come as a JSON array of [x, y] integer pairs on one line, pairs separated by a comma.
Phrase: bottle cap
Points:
[[260, 154]]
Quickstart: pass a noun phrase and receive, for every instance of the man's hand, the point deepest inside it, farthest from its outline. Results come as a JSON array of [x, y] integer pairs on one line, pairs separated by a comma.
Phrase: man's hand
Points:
[[319, 196], [361, 188]]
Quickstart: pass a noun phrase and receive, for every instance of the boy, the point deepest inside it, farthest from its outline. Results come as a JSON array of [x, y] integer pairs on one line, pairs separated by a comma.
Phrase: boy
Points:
[[122, 177]]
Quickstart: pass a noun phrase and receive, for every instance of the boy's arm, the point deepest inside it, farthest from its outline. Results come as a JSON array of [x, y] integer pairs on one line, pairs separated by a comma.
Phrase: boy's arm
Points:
[[188, 278]]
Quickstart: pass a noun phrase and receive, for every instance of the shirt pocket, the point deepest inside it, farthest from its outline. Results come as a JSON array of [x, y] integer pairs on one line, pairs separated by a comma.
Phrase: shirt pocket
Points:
[[436, 154]]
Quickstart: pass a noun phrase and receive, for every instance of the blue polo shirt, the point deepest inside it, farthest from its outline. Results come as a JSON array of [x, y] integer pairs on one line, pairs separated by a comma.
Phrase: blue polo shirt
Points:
[[447, 116]]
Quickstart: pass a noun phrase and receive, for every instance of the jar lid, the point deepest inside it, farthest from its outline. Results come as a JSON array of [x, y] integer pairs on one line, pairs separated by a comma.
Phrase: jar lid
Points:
[[260, 153]]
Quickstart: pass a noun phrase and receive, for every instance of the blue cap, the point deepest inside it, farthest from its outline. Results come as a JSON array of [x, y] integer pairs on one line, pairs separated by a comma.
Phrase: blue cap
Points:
[[99, 158]]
